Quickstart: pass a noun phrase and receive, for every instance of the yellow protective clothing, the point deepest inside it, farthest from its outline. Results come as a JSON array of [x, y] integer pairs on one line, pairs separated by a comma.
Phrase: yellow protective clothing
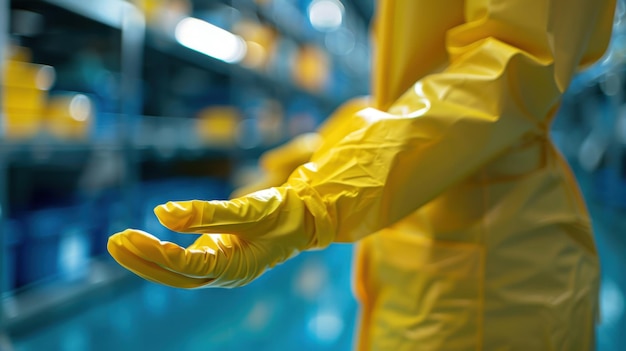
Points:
[[483, 242]]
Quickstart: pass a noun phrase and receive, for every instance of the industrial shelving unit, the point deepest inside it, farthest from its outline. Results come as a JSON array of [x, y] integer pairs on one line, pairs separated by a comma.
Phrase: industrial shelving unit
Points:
[[42, 301], [136, 46], [4, 11]]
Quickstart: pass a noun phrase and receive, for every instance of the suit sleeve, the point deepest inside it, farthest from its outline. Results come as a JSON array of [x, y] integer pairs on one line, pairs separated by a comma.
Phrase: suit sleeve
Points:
[[510, 62]]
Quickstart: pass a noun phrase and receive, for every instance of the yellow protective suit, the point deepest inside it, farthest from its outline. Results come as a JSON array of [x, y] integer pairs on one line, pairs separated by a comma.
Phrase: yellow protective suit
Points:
[[483, 241]]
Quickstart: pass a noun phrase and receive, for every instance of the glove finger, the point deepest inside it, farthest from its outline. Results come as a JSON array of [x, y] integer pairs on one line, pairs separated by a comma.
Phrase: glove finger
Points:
[[153, 272], [206, 261], [127, 255], [204, 241], [245, 216]]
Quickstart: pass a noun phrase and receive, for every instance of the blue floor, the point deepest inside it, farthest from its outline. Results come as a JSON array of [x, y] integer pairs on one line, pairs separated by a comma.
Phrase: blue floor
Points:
[[304, 305], [611, 239]]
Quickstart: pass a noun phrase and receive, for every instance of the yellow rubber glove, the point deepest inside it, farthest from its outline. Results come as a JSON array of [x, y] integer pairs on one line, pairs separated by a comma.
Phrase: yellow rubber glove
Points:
[[217, 259], [197, 265]]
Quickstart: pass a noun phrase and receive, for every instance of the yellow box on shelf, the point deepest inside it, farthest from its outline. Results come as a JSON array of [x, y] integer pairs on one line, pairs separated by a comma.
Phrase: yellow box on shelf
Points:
[[217, 125], [20, 98], [164, 14], [24, 93], [28, 75], [21, 124], [69, 116], [312, 68], [260, 42]]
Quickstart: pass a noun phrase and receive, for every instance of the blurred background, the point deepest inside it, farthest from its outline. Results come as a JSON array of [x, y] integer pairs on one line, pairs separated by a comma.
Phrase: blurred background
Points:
[[111, 107]]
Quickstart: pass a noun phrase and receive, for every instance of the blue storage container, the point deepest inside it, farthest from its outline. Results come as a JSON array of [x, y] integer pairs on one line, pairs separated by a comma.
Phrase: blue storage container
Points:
[[52, 246], [74, 247], [11, 231], [107, 215]]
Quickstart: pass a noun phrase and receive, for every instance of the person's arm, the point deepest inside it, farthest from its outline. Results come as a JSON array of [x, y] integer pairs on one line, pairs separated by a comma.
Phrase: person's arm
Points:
[[509, 65]]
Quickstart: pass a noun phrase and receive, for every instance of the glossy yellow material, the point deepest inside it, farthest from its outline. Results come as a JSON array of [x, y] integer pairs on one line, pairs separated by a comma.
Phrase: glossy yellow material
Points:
[[279, 163], [502, 258], [483, 241]]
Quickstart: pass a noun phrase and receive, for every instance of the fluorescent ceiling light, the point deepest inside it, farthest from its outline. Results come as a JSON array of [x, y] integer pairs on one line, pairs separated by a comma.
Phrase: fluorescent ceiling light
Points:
[[326, 15], [210, 40]]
